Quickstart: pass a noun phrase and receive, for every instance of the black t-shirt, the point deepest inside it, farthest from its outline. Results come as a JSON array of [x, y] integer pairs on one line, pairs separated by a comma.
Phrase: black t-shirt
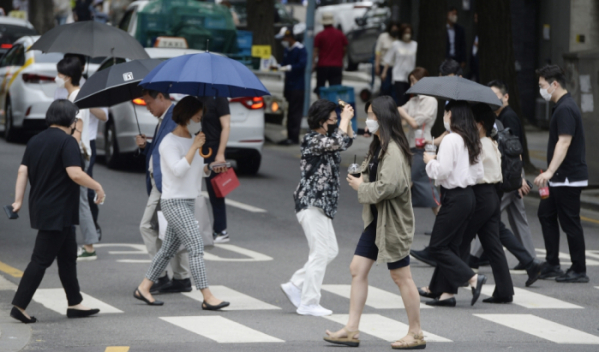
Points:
[[214, 108], [54, 197], [567, 119], [510, 120]]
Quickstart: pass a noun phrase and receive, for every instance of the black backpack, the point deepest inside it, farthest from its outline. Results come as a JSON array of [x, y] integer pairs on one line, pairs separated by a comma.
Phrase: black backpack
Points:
[[511, 164]]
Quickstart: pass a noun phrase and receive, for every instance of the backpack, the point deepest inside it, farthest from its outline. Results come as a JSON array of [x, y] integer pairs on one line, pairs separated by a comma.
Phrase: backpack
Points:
[[511, 165]]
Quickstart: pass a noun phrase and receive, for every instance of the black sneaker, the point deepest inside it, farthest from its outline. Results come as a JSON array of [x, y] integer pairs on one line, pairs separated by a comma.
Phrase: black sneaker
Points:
[[572, 276], [177, 286], [424, 256], [222, 237], [533, 271], [550, 271], [162, 283]]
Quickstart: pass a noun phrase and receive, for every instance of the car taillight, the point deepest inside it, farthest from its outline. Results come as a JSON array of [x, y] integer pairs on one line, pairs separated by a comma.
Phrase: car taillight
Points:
[[254, 103], [35, 78], [5, 46], [139, 101]]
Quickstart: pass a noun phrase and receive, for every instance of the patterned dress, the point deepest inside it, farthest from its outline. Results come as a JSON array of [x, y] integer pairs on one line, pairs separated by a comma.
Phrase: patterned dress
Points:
[[319, 184]]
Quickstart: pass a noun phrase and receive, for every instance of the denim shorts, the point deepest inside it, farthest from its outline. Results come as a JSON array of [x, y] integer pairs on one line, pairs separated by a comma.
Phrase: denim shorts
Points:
[[367, 248]]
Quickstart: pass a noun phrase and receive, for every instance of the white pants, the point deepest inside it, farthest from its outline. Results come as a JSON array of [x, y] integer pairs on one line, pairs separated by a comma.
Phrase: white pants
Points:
[[322, 242]]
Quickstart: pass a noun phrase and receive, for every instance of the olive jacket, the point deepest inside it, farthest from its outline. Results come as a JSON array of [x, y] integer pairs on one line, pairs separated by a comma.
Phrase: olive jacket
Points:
[[393, 198]]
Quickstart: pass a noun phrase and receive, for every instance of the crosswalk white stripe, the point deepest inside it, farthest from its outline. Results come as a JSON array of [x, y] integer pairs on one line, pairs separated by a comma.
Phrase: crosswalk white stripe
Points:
[[55, 299], [239, 301], [236, 204], [221, 330], [134, 261], [565, 258], [532, 300], [253, 256], [377, 298], [543, 328], [383, 327]]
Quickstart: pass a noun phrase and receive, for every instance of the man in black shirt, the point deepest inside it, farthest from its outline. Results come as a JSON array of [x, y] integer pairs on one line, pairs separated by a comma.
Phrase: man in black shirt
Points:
[[53, 165], [567, 175], [216, 125]]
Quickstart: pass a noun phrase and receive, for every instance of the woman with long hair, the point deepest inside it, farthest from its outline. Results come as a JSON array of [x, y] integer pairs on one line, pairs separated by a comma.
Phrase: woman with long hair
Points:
[[402, 57], [456, 169], [384, 189], [182, 171]]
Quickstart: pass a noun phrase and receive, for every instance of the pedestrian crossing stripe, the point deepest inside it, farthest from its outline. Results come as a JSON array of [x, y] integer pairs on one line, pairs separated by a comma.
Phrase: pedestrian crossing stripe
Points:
[[383, 327], [239, 301], [221, 330], [55, 299], [533, 300], [377, 298], [565, 257], [543, 328]]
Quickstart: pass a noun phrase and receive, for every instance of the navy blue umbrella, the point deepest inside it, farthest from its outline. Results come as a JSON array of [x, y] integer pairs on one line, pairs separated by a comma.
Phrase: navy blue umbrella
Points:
[[204, 75]]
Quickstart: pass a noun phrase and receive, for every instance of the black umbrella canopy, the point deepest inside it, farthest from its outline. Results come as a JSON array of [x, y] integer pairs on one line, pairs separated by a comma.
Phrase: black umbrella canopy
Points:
[[90, 38], [115, 85], [455, 88]]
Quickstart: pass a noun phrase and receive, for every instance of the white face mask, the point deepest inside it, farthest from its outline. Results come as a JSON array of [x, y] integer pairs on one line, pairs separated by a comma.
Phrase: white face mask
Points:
[[194, 127], [372, 125], [447, 124], [406, 37], [285, 44], [545, 93], [59, 81]]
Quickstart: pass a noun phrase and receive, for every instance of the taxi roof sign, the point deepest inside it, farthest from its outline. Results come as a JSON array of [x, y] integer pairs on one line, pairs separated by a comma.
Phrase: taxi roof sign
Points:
[[171, 42]]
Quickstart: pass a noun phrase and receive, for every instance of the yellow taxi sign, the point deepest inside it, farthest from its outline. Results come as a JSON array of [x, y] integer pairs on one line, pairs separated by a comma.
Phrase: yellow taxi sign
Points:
[[171, 42], [261, 51]]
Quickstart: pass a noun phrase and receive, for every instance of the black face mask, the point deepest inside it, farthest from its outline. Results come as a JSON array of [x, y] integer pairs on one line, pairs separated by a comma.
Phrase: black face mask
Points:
[[331, 129]]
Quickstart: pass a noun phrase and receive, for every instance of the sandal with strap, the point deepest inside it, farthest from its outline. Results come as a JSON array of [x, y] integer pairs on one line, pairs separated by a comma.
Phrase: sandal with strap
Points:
[[350, 340], [417, 344]]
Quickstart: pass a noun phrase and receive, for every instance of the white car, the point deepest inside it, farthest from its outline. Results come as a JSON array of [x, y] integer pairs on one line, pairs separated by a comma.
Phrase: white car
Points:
[[116, 138], [344, 13]]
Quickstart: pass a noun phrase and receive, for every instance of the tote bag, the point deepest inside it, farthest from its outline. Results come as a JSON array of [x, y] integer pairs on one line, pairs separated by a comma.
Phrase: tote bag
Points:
[[202, 219]]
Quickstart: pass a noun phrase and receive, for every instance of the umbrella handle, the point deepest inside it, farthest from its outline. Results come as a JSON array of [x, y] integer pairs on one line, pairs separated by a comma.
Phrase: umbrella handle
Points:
[[207, 155]]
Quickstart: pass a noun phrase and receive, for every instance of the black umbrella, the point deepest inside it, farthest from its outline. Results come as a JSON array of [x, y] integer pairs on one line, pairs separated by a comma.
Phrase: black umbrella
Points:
[[90, 38], [116, 84], [455, 88]]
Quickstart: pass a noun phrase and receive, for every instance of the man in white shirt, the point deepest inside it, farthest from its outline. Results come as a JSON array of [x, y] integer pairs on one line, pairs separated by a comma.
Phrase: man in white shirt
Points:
[[69, 76]]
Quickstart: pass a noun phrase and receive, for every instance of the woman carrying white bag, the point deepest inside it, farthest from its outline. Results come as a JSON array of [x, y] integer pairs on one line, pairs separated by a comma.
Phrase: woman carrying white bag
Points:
[[182, 173]]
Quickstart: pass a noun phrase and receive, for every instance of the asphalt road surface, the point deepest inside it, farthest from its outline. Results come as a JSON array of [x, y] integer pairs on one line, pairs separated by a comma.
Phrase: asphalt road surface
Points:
[[267, 246]]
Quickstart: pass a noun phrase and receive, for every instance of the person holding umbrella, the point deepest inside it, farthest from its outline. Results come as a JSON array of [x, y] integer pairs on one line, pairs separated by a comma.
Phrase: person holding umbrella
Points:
[[182, 171]]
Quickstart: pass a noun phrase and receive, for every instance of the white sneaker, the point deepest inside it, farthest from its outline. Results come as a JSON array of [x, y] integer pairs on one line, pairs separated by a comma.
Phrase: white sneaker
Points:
[[316, 310], [222, 237], [293, 293]]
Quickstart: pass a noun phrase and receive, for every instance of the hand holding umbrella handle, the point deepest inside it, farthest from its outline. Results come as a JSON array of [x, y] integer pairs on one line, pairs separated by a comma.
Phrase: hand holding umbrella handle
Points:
[[207, 155]]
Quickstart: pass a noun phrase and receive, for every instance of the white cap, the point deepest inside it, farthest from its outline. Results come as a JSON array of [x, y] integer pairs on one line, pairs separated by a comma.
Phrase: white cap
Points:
[[327, 19], [283, 32]]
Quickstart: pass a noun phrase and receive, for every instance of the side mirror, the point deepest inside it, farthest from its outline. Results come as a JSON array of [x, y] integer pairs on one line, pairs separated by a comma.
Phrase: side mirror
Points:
[[360, 21]]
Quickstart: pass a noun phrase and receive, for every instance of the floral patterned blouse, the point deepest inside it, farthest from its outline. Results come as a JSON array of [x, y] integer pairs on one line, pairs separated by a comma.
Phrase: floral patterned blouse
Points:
[[319, 185]]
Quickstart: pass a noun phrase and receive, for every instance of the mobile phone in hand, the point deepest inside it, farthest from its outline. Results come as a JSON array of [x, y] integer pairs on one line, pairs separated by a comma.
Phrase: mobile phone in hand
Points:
[[216, 165], [10, 212], [530, 184]]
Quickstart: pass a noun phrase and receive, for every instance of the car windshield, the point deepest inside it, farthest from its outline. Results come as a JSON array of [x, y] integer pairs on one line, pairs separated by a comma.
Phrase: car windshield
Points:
[[10, 33], [47, 58]]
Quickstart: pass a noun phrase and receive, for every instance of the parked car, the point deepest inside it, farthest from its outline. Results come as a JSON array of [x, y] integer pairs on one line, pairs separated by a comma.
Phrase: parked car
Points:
[[344, 13], [116, 138], [12, 29], [362, 39]]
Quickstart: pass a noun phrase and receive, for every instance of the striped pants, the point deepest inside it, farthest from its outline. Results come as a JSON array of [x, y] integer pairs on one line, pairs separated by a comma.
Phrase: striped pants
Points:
[[182, 228]]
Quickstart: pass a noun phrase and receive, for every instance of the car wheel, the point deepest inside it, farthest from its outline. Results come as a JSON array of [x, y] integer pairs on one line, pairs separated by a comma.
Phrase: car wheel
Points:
[[10, 133], [111, 147], [249, 164]]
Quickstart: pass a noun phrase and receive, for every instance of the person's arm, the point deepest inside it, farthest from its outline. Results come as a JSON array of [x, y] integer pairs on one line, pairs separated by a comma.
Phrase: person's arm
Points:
[[225, 122], [300, 64], [390, 180], [388, 61], [78, 129], [559, 154], [440, 168], [426, 112], [171, 159], [406, 117], [377, 55], [99, 113], [81, 178], [20, 188]]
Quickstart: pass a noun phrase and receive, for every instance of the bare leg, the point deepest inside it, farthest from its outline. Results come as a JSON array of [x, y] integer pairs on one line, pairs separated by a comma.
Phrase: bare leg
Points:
[[359, 269], [79, 307], [411, 300], [209, 297], [89, 248], [144, 289], [24, 312]]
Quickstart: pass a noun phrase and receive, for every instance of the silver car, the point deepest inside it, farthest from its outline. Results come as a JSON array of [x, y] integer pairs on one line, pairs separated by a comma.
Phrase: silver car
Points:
[[116, 138]]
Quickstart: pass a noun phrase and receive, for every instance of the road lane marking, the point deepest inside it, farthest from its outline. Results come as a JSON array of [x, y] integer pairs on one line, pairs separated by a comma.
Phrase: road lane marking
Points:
[[55, 299], [532, 300], [236, 204], [239, 301], [134, 261], [138, 248], [565, 258], [221, 330], [253, 256], [543, 328], [377, 298], [6, 285], [117, 349], [383, 327], [584, 218], [14, 272]]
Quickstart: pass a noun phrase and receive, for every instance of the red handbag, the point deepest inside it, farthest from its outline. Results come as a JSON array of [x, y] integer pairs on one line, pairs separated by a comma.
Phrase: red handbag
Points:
[[224, 183]]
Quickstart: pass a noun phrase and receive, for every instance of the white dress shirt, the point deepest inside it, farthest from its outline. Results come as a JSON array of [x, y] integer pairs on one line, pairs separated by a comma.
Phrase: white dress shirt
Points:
[[402, 56], [452, 167], [83, 115], [491, 160]]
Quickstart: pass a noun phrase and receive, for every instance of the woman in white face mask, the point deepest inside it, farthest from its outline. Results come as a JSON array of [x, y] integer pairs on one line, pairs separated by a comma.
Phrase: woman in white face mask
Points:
[[402, 56], [384, 189]]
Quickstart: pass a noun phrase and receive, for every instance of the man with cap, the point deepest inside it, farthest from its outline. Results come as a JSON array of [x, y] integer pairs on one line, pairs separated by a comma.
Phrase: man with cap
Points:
[[330, 46], [294, 62]]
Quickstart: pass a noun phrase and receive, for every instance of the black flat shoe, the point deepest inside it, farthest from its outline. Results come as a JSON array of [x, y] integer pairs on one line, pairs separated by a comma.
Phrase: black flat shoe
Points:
[[425, 294], [480, 281], [16, 313], [206, 306], [139, 296], [498, 300], [78, 313], [534, 272], [450, 302]]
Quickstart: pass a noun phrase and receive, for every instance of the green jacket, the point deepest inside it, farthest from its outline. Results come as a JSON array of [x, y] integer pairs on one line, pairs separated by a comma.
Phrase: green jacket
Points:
[[393, 198]]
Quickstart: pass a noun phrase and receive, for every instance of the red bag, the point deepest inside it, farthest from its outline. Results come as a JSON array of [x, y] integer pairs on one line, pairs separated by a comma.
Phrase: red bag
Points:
[[224, 183]]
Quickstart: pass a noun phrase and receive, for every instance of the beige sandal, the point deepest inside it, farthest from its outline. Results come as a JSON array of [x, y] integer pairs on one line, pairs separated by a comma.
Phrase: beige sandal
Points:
[[347, 341], [417, 344]]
